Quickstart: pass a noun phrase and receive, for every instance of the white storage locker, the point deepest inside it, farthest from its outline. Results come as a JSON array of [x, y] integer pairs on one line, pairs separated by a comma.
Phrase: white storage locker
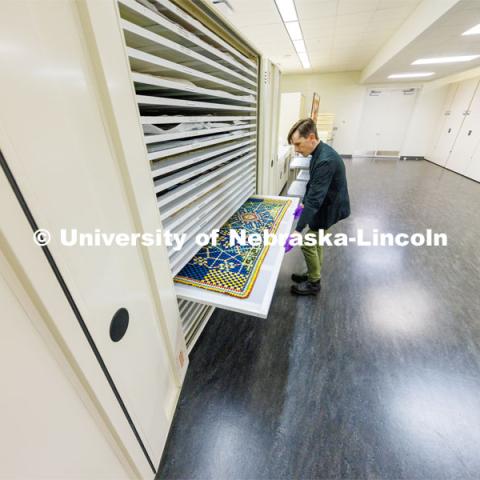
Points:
[[74, 176], [141, 120], [432, 154], [269, 173], [52, 425], [473, 168], [204, 168], [211, 105], [451, 127], [467, 139]]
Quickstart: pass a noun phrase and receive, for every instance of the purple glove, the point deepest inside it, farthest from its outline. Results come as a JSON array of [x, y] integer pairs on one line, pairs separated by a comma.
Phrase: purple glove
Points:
[[288, 246], [298, 211]]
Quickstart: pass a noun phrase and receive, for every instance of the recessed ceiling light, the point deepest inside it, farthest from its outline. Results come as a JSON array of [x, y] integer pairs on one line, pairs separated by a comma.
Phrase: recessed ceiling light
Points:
[[287, 10], [411, 75], [294, 30], [300, 46], [455, 59], [473, 31], [304, 59]]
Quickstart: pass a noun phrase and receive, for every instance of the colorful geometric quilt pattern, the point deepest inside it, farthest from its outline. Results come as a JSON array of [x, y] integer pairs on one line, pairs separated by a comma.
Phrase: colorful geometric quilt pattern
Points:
[[233, 270]]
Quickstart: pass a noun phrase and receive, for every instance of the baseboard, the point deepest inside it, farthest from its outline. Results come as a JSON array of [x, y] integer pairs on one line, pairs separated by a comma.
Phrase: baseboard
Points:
[[411, 157], [451, 171]]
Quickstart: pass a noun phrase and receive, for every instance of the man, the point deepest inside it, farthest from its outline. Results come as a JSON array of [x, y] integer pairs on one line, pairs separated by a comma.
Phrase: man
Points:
[[325, 202]]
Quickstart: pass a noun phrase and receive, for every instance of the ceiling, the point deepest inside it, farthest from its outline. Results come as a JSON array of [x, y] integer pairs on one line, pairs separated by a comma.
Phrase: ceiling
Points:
[[443, 38], [340, 35], [345, 35]]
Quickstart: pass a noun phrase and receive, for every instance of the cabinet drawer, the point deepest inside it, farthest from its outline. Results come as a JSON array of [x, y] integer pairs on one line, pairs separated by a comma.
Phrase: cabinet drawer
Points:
[[258, 302]]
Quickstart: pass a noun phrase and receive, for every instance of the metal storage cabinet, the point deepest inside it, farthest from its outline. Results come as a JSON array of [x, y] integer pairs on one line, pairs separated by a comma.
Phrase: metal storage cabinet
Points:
[[473, 168], [94, 75], [203, 169], [74, 173], [451, 126], [434, 154], [468, 137], [50, 426]]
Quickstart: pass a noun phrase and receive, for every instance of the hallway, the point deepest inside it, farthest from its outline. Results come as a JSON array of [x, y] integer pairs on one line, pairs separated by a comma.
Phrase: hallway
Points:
[[377, 377]]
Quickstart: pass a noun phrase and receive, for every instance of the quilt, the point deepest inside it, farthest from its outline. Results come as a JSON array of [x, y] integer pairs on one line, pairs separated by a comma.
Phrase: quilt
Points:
[[232, 270]]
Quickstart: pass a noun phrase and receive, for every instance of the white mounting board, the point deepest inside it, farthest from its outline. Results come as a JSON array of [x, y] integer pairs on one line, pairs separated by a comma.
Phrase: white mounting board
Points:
[[303, 175], [303, 163], [297, 188]]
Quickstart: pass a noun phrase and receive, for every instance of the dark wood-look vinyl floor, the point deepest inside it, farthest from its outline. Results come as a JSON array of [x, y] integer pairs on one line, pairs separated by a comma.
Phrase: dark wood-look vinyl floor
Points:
[[376, 378]]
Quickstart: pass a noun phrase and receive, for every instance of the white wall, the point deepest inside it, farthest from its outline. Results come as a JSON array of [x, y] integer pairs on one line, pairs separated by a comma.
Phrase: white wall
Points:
[[343, 95], [385, 119], [340, 94], [427, 111], [292, 107]]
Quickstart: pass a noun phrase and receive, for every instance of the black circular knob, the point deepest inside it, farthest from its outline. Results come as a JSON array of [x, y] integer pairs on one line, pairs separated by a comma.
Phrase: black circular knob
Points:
[[119, 324]]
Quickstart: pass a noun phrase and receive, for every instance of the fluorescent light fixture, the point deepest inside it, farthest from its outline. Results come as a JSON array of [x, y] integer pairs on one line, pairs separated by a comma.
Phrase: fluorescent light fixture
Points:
[[288, 13], [300, 46], [411, 75], [294, 30], [304, 59], [473, 31], [455, 59], [287, 10]]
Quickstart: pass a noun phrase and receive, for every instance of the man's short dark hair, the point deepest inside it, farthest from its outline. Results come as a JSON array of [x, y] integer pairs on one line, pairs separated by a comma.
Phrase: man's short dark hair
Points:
[[305, 127]]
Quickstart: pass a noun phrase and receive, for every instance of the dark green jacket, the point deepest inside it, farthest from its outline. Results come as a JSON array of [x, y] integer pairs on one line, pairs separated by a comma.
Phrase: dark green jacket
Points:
[[326, 199]]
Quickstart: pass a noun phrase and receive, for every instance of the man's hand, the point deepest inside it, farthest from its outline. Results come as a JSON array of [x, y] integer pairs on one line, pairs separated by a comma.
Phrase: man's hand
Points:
[[298, 211]]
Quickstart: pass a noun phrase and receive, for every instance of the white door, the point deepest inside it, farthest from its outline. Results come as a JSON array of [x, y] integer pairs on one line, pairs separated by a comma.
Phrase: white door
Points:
[[54, 135], [47, 430], [432, 154], [385, 119], [30, 275], [467, 139], [453, 124], [473, 168]]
